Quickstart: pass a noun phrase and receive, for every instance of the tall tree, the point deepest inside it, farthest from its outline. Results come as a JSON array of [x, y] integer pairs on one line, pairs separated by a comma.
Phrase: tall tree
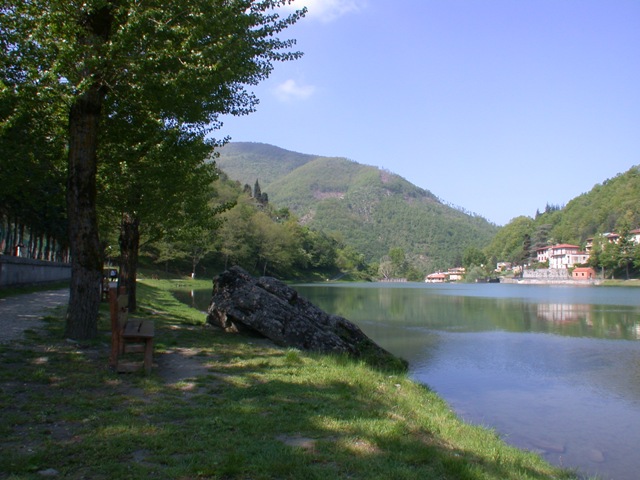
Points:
[[155, 189], [625, 247], [187, 62]]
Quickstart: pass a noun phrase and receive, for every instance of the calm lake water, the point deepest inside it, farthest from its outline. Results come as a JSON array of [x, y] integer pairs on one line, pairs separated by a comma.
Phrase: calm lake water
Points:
[[552, 369]]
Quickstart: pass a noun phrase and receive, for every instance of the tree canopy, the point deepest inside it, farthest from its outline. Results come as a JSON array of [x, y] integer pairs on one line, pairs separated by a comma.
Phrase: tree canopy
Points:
[[178, 65]]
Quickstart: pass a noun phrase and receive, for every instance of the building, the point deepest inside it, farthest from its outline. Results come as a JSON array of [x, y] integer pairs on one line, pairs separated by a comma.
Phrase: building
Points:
[[613, 237], [562, 255], [542, 254], [453, 275], [436, 278], [583, 273], [456, 274]]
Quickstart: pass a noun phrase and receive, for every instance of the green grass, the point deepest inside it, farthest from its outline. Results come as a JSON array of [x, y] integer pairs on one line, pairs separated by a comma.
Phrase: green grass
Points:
[[621, 283], [253, 412]]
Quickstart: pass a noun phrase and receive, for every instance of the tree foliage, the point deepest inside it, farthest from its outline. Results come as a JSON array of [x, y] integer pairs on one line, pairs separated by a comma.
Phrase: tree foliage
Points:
[[178, 64], [473, 257], [261, 238]]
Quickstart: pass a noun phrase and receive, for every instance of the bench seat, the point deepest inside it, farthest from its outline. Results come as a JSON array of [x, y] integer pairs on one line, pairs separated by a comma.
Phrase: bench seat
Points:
[[129, 335]]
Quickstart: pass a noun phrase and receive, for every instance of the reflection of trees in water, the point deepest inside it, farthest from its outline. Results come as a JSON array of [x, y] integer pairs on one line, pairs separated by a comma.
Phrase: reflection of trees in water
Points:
[[426, 308], [418, 307]]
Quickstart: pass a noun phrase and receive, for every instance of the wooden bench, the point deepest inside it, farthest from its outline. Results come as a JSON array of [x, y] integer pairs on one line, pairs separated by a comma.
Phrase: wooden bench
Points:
[[129, 335]]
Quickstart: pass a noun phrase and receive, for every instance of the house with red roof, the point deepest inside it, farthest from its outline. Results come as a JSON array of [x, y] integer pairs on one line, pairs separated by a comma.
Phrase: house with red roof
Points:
[[438, 277], [562, 255]]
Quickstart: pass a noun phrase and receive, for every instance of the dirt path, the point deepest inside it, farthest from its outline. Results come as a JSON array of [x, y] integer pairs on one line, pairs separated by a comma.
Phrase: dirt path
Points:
[[24, 312]]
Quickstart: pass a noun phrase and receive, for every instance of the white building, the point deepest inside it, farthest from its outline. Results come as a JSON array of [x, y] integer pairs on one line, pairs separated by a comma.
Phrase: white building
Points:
[[562, 255]]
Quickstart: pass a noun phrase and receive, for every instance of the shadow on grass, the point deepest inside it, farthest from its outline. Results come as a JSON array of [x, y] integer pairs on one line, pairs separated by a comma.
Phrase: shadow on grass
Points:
[[259, 412]]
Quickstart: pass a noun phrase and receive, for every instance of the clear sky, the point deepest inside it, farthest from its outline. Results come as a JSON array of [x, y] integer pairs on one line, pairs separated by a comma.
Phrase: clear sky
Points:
[[495, 106]]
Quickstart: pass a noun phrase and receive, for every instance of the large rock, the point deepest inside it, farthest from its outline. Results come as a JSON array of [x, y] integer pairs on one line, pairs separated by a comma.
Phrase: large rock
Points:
[[272, 309]]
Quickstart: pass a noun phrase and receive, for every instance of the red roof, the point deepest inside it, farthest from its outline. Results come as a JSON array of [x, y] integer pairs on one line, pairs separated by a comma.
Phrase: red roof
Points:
[[565, 245]]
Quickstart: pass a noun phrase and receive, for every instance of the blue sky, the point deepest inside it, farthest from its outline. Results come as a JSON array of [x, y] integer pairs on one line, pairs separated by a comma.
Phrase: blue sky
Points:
[[495, 106]]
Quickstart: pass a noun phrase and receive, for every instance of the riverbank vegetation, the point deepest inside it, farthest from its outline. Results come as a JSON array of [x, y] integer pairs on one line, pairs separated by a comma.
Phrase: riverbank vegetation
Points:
[[221, 406], [261, 238]]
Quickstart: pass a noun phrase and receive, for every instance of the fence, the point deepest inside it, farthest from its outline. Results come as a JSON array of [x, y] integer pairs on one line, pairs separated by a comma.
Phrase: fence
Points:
[[16, 271]]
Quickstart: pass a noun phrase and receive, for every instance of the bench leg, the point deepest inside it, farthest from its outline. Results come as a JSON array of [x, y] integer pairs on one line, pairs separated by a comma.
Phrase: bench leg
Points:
[[148, 355]]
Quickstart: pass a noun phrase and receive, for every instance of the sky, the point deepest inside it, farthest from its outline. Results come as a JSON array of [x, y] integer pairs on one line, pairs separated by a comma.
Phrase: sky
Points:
[[498, 107]]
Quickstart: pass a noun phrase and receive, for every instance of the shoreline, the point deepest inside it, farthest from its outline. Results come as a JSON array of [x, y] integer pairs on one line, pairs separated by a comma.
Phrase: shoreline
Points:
[[536, 281]]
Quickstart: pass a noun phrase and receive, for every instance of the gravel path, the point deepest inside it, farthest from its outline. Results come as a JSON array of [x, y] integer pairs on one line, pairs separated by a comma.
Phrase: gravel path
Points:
[[23, 312]]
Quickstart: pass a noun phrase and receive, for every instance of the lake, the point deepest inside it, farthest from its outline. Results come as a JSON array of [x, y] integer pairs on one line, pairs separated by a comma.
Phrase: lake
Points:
[[552, 369]]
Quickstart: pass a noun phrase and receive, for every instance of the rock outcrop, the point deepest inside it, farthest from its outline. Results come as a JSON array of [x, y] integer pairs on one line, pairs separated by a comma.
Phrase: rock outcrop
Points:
[[268, 307]]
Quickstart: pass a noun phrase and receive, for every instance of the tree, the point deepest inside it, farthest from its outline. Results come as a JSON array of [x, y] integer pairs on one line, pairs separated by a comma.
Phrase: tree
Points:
[[32, 177], [608, 258], [161, 187], [257, 192], [385, 268], [236, 237], [636, 257], [186, 62], [473, 257], [398, 260], [510, 242], [275, 244], [625, 247]]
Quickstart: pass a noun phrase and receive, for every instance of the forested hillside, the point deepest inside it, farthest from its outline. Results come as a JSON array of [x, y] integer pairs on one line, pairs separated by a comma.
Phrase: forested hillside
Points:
[[607, 207], [373, 210], [246, 162]]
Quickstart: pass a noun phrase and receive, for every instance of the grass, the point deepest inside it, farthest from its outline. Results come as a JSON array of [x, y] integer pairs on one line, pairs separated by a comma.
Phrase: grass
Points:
[[253, 411], [621, 283]]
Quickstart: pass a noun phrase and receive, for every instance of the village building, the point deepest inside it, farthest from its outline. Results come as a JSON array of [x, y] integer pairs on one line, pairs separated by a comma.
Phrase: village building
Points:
[[562, 255], [613, 237], [452, 275], [456, 274], [438, 277], [583, 273]]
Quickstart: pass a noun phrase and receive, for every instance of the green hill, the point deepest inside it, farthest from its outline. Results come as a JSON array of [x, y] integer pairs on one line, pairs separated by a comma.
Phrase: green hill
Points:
[[246, 162], [371, 209], [598, 211]]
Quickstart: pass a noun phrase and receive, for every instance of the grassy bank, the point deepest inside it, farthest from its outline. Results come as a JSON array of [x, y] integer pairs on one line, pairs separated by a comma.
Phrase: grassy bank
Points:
[[220, 406]]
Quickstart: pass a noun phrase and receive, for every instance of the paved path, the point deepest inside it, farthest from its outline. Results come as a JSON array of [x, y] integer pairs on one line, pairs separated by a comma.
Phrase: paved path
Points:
[[22, 312]]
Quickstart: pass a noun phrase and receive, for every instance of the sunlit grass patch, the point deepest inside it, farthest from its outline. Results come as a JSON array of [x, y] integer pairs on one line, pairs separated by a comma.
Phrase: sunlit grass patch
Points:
[[256, 411]]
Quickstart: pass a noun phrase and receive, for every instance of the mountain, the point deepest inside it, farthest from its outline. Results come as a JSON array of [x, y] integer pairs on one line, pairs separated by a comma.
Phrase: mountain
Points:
[[246, 162], [373, 210]]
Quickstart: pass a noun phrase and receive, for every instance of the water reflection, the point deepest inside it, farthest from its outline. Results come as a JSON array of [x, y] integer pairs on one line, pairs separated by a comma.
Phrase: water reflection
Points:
[[491, 307]]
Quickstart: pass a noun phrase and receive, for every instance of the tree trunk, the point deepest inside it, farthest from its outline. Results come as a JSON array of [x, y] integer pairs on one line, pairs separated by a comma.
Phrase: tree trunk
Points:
[[129, 247], [7, 244], [84, 242], [86, 258]]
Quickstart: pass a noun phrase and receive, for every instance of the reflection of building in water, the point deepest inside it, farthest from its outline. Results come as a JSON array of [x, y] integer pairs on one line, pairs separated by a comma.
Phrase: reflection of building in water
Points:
[[564, 312]]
